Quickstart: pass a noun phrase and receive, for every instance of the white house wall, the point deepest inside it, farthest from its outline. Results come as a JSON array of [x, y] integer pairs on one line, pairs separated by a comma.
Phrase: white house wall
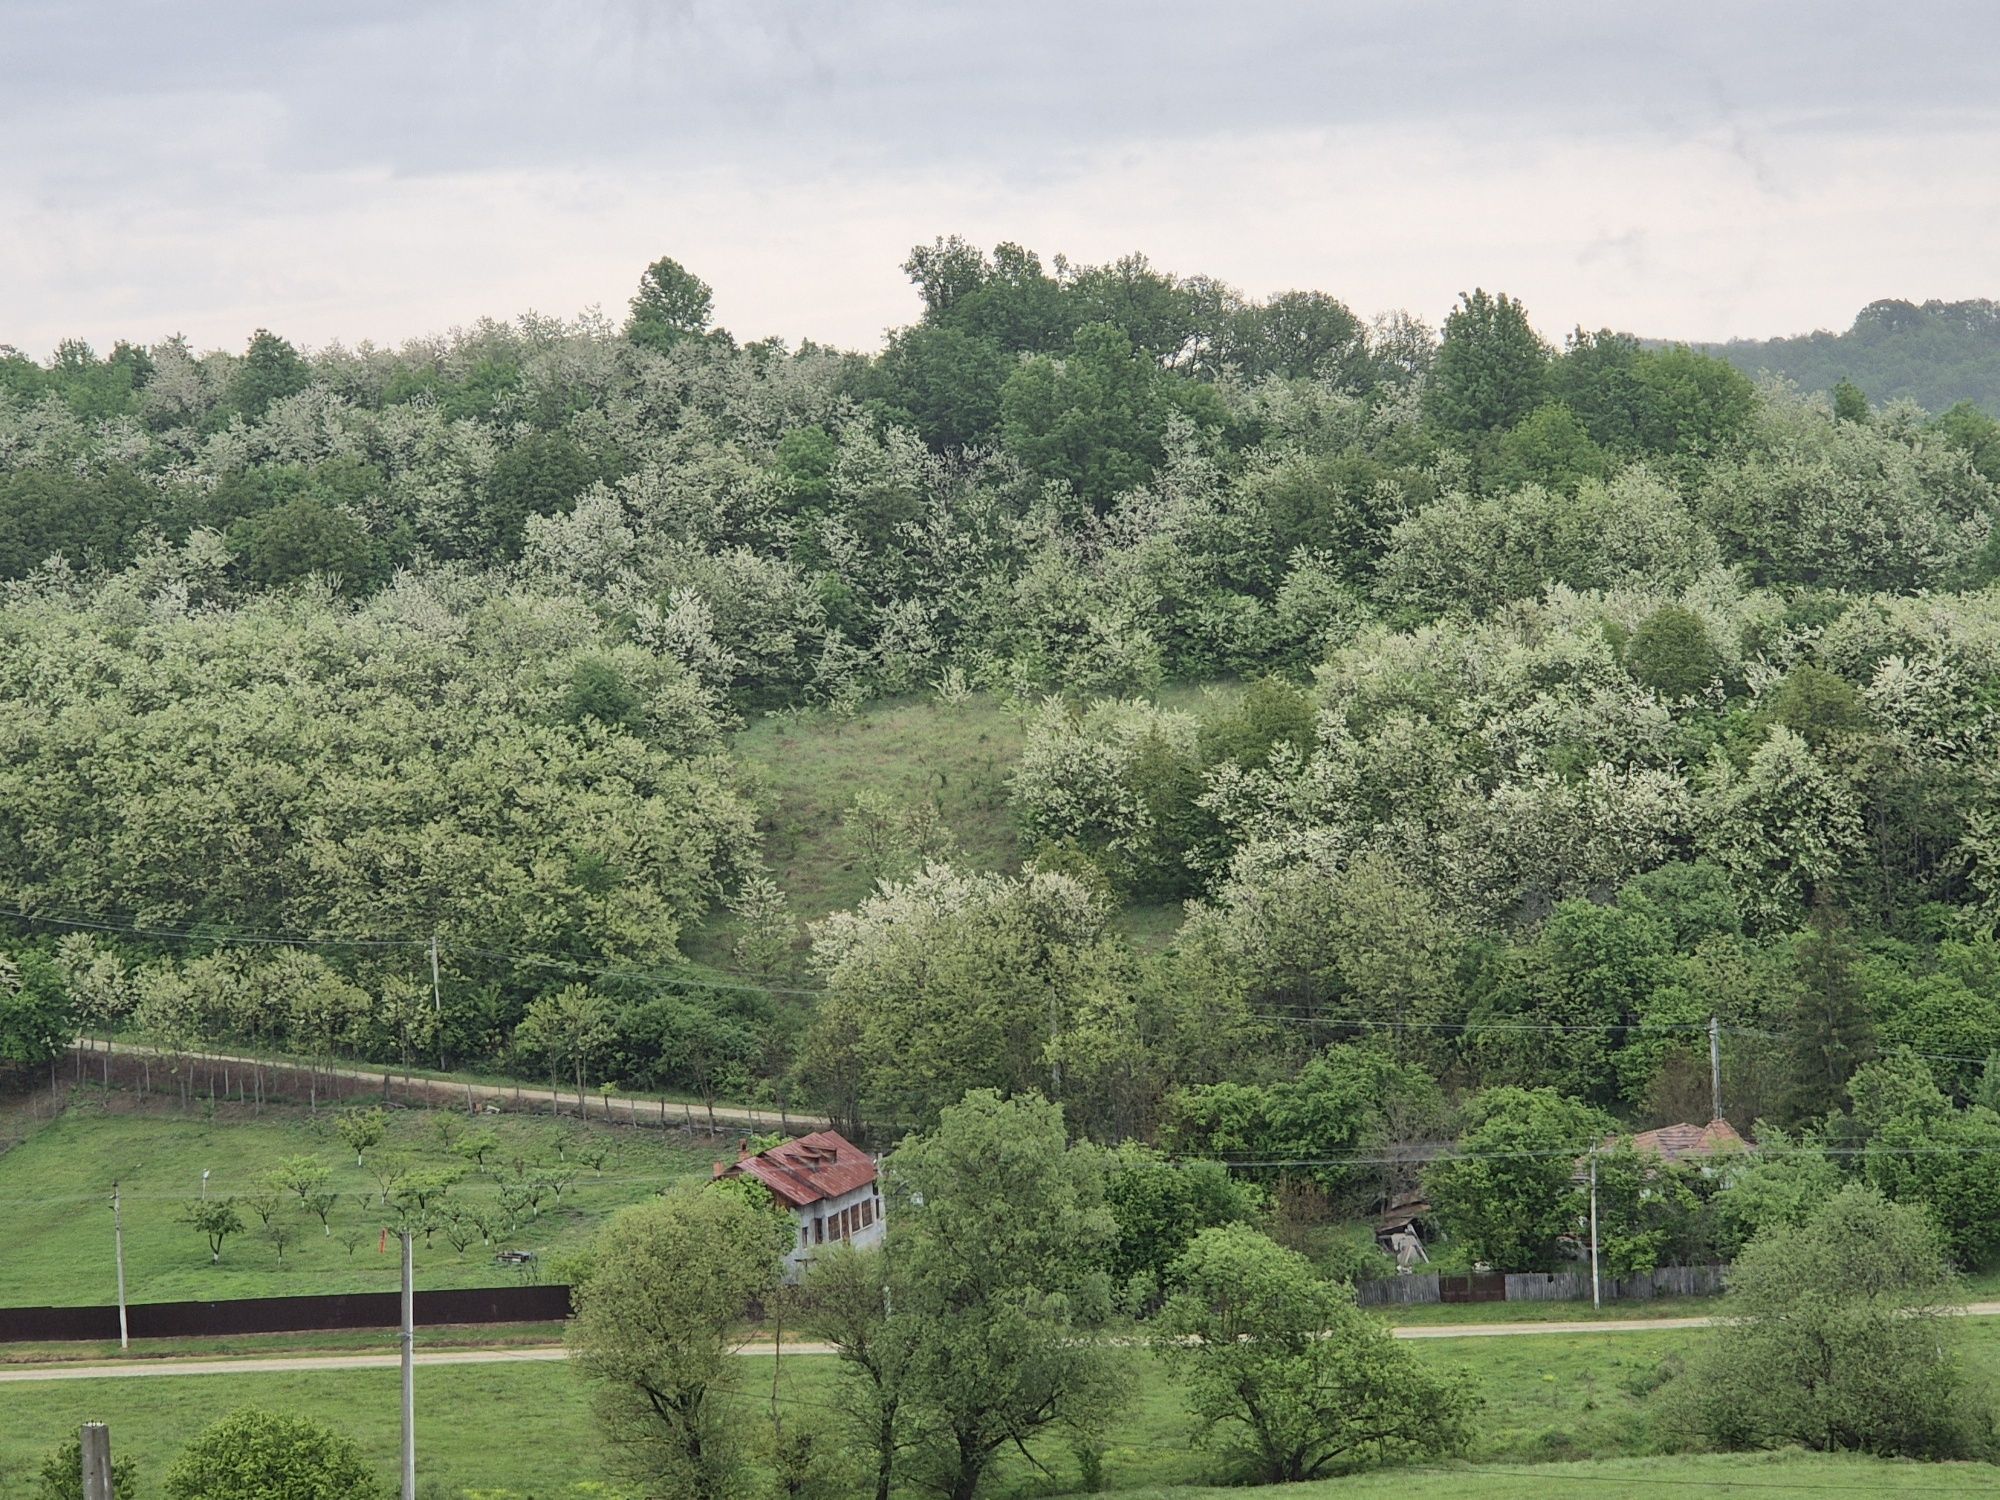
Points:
[[825, 1212]]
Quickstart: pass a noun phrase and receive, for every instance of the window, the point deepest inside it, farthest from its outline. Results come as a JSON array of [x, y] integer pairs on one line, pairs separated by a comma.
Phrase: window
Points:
[[819, 1231], [867, 1215]]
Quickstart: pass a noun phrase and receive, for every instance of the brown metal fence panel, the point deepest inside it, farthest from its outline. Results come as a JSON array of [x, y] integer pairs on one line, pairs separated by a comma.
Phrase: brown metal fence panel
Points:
[[1476, 1286], [154, 1320]]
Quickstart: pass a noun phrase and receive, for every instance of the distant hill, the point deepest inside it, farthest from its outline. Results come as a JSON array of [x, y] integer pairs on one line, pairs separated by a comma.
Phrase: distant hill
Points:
[[1936, 353]]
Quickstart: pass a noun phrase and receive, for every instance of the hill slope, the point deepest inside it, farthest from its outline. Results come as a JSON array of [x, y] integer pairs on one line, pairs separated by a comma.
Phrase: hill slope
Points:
[[1935, 353]]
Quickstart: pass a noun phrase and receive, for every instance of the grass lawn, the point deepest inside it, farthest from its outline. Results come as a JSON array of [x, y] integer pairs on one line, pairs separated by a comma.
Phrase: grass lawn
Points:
[[1767, 1476], [55, 1188], [1442, 1314], [1549, 1401]]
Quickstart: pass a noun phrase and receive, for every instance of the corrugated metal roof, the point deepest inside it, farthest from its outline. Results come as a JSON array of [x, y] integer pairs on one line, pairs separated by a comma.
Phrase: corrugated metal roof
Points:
[[808, 1170]]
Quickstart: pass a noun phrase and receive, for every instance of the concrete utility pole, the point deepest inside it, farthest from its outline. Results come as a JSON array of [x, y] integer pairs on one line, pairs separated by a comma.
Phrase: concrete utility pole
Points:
[[1596, 1295], [96, 1442], [118, 1250], [409, 1376], [1714, 1068]]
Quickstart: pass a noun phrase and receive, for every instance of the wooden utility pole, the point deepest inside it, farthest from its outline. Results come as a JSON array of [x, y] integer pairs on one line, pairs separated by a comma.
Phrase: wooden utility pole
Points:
[[96, 1443], [118, 1251], [409, 1376], [1714, 1068]]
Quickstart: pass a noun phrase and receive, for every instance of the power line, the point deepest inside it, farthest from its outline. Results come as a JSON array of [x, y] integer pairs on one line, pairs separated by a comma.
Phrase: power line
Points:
[[212, 934]]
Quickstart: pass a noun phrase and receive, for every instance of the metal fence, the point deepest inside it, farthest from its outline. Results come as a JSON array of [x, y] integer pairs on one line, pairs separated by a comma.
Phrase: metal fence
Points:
[[155, 1320], [1539, 1286]]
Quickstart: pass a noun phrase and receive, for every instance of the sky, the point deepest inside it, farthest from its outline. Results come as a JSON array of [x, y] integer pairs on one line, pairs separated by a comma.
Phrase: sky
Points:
[[385, 169]]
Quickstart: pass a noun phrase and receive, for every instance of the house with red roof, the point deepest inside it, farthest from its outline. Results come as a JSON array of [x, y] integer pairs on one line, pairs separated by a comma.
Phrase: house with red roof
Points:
[[828, 1185], [1673, 1143]]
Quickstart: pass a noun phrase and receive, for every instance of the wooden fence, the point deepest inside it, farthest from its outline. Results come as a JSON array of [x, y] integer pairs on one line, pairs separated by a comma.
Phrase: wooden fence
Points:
[[1539, 1286]]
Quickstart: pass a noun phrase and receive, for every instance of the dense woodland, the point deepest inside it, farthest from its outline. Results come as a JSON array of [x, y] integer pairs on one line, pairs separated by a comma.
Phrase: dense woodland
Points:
[[1580, 694], [1934, 353]]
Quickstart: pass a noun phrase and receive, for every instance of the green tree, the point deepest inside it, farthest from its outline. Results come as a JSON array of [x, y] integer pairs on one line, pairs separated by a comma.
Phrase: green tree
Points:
[[60, 1476], [1509, 1193], [598, 691], [942, 382], [1095, 421], [262, 1455], [1923, 1150], [1671, 653], [299, 1175], [37, 1016], [270, 370], [1491, 368], [672, 304], [1001, 1230], [215, 1220], [361, 1129], [667, 1284], [1161, 1205], [305, 536], [848, 1299], [541, 474], [1549, 447], [1289, 1366], [571, 1028], [1850, 403], [1839, 1337], [1301, 336], [1831, 1032]]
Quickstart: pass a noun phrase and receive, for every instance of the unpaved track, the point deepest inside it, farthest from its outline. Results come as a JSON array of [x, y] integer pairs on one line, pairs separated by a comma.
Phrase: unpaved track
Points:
[[264, 1366], [634, 1111]]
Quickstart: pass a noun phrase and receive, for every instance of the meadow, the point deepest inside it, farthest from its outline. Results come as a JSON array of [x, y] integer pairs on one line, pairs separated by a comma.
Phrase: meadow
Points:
[[55, 1188], [1575, 1410]]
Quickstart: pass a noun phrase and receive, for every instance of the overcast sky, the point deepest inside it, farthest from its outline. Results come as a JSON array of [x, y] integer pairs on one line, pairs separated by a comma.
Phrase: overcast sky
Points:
[[381, 169]]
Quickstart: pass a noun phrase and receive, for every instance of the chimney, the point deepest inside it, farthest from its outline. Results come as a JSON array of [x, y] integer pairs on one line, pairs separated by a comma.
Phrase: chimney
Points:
[[742, 1147]]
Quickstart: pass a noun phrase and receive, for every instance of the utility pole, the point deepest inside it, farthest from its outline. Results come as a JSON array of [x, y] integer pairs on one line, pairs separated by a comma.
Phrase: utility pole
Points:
[[118, 1248], [1596, 1294], [1055, 1057], [96, 1445], [409, 1376], [437, 998], [1714, 1068]]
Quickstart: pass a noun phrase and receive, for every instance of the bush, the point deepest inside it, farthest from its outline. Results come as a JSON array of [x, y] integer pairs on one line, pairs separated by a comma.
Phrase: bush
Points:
[[263, 1455], [1841, 1339], [60, 1476]]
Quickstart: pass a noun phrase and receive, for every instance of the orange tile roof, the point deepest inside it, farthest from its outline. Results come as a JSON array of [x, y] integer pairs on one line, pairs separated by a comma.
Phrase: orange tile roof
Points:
[[1673, 1143]]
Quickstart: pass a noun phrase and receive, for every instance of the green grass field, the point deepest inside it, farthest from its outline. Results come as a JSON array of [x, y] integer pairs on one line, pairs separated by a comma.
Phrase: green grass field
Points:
[[811, 769], [1550, 1401], [55, 1188]]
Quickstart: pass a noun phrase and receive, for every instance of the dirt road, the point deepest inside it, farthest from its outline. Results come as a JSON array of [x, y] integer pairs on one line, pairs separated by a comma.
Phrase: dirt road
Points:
[[257, 1365], [630, 1109]]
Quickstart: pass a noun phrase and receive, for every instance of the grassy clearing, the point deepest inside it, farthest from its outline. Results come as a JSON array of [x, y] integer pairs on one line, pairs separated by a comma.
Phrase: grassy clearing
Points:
[[910, 750], [1548, 1401], [811, 769], [55, 1188]]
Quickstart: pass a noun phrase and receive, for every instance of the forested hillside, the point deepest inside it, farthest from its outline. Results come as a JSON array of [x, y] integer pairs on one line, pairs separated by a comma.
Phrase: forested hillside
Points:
[[1580, 695], [1937, 354]]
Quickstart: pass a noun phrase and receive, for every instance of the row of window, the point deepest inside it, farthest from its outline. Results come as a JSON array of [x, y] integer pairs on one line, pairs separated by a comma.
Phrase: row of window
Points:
[[842, 1224]]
